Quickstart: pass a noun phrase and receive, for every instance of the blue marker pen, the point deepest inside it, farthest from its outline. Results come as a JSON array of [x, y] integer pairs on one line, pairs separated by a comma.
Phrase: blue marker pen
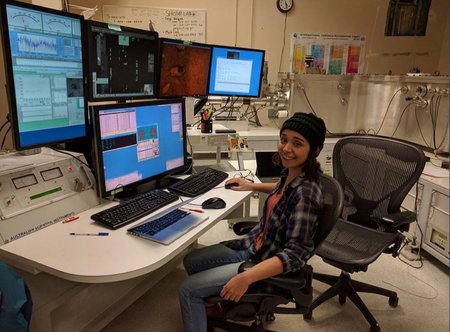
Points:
[[90, 234]]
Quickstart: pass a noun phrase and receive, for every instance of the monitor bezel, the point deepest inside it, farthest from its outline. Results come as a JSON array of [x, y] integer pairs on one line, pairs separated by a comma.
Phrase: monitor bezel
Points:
[[97, 152], [90, 54], [10, 86], [261, 71], [188, 43]]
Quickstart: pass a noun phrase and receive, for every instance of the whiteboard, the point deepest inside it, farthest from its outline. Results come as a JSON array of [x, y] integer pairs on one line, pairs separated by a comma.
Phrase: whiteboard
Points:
[[184, 24]]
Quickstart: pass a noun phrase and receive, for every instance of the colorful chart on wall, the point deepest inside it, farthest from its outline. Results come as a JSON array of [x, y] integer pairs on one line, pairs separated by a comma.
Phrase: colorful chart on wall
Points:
[[327, 54], [184, 24]]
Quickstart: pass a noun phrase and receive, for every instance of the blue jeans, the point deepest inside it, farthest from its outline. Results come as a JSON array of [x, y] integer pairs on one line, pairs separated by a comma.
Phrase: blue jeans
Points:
[[209, 270]]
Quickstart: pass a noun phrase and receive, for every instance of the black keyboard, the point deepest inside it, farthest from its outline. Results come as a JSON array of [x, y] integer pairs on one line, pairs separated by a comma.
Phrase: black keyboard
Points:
[[134, 208], [197, 184], [157, 225], [225, 131]]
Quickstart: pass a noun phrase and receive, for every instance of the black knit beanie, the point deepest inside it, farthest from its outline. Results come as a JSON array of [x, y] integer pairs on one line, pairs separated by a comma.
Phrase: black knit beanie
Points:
[[310, 127]]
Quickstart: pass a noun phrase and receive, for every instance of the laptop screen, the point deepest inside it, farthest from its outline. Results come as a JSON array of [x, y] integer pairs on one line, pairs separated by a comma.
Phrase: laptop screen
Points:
[[265, 167]]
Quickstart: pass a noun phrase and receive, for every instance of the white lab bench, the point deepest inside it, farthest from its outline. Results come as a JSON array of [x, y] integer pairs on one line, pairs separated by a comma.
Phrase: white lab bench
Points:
[[432, 212]]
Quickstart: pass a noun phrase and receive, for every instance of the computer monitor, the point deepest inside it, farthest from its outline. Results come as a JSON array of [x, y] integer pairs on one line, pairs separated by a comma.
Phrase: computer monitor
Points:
[[138, 142], [184, 68], [43, 51], [122, 62], [236, 71]]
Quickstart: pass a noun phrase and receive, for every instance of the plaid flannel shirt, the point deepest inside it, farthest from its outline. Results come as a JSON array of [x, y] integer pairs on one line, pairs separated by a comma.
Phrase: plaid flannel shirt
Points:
[[291, 226]]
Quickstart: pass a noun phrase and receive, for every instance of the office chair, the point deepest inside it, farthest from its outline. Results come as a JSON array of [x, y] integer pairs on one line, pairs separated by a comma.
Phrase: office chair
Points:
[[376, 174], [264, 298], [16, 304]]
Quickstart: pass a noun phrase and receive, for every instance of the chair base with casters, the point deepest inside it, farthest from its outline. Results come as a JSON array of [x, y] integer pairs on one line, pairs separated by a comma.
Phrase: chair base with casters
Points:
[[343, 287], [263, 300], [345, 239]]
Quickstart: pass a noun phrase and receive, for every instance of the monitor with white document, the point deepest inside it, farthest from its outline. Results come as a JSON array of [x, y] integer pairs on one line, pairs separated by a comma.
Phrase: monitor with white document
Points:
[[235, 71]]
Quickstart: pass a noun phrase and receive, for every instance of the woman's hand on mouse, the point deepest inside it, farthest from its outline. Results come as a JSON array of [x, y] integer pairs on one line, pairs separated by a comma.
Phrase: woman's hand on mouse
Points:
[[243, 184]]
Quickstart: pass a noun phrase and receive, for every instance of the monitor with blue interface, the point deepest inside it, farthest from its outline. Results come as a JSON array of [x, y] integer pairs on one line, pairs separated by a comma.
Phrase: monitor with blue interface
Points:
[[122, 62], [44, 60], [236, 71], [138, 142]]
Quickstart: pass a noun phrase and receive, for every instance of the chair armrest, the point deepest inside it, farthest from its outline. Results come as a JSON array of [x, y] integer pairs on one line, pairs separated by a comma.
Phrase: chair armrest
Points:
[[290, 281], [398, 219], [243, 227]]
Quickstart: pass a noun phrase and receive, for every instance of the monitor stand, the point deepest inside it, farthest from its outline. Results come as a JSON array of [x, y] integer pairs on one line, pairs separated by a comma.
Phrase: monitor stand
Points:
[[30, 152], [166, 182], [126, 194], [162, 183]]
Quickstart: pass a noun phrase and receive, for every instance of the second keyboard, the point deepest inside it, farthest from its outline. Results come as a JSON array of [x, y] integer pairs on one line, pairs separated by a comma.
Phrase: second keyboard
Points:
[[134, 208], [197, 184]]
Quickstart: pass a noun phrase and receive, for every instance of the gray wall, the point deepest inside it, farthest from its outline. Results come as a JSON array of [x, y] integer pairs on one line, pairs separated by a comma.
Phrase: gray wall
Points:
[[360, 104]]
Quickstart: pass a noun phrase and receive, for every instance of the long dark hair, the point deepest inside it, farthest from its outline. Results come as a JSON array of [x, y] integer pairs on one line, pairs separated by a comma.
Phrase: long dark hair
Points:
[[311, 167]]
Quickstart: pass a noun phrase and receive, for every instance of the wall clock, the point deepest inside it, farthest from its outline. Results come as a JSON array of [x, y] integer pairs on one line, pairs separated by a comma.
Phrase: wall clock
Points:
[[285, 6]]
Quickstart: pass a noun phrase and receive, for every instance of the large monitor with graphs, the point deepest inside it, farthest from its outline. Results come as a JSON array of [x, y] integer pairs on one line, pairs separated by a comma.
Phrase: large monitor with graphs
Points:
[[122, 62], [184, 68], [236, 71], [138, 142], [44, 61]]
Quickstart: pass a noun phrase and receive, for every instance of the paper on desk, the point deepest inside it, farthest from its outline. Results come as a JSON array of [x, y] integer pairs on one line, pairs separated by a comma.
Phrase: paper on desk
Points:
[[435, 171]]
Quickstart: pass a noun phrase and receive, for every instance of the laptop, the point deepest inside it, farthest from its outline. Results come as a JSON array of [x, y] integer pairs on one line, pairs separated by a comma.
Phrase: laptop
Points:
[[185, 221], [266, 170]]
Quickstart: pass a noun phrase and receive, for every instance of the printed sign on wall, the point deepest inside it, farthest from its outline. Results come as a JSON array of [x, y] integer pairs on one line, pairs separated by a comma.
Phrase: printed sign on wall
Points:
[[184, 24], [327, 54]]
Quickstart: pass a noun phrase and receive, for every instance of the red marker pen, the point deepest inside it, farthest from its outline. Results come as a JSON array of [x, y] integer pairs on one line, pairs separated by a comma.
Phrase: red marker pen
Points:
[[70, 219]]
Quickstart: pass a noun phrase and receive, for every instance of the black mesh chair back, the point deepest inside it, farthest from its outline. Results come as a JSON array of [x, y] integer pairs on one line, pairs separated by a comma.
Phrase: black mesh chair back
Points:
[[333, 200], [376, 174]]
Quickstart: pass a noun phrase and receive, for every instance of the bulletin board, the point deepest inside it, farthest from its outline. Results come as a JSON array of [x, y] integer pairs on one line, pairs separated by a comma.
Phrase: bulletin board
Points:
[[184, 24], [328, 54]]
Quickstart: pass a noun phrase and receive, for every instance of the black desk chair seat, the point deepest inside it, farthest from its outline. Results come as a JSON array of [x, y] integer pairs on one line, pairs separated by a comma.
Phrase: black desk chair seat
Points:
[[265, 298], [376, 174]]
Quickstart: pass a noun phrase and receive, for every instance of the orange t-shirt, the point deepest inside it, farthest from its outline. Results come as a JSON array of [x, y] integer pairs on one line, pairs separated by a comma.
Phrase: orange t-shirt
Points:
[[271, 202]]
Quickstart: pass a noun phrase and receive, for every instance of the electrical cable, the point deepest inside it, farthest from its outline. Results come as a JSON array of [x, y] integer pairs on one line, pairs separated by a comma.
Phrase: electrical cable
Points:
[[446, 127], [433, 121], [190, 146], [312, 109], [419, 253], [284, 41], [401, 116], [75, 157], [412, 293], [258, 123], [387, 110], [4, 137], [420, 129], [307, 100], [4, 124]]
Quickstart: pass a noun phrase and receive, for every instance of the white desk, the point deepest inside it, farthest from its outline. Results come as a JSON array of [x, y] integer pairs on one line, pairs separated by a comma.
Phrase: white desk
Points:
[[433, 212], [201, 140], [97, 277]]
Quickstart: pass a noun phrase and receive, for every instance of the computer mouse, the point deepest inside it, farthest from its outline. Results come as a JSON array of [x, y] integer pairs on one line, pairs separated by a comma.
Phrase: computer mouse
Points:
[[214, 203], [231, 184]]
